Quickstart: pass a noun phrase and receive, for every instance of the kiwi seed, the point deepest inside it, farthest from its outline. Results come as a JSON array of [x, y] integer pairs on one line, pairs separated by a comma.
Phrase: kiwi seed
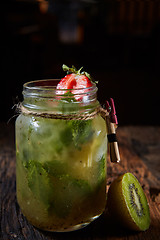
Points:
[[134, 196]]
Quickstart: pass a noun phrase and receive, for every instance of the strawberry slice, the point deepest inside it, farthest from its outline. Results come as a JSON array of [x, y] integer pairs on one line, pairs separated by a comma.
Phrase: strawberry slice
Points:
[[76, 81], [68, 82], [82, 82]]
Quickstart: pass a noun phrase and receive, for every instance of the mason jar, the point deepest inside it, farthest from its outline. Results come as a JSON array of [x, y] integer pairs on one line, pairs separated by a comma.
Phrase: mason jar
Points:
[[61, 151]]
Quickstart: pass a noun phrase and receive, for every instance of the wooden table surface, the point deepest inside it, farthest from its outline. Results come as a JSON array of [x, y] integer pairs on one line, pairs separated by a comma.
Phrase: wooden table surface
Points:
[[140, 154]]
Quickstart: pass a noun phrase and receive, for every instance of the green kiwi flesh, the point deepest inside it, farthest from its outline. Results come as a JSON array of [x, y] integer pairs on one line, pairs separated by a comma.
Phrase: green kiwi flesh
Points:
[[128, 203]]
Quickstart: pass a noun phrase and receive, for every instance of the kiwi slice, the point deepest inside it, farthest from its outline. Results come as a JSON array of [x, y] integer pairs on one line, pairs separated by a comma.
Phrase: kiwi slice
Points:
[[127, 203]]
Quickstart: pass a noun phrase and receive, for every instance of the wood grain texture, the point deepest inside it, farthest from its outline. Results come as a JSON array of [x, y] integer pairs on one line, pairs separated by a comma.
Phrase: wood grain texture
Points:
[[139, 150]]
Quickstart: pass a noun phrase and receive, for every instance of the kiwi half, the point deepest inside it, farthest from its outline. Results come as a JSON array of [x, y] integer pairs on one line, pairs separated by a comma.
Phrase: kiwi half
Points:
[[128, 204]]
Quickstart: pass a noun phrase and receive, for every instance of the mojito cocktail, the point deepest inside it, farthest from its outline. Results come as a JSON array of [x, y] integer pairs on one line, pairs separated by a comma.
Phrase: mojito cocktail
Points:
[[61, 158]]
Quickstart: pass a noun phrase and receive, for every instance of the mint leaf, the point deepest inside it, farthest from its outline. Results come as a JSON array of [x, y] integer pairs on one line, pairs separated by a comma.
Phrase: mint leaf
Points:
[[82, 131], [69, 97], [55, 168], [39, 183], [101, 169]]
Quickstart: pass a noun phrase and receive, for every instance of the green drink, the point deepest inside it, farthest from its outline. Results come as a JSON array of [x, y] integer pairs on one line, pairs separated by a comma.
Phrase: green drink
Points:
[[61, 158]]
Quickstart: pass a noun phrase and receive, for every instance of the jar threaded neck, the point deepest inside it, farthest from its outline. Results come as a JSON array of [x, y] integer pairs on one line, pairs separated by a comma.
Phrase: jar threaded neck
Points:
[[43, 96]]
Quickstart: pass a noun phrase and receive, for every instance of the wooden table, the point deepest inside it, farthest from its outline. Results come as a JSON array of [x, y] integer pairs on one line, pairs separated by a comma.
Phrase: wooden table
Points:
[[140, 154]]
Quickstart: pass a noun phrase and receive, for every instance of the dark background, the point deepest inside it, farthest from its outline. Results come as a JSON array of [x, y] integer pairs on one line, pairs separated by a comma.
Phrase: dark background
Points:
[[117, 42]]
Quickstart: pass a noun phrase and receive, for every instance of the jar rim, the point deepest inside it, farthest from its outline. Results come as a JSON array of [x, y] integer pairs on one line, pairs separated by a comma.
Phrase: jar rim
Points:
[[41, 85], [44, 91], [47, 88]]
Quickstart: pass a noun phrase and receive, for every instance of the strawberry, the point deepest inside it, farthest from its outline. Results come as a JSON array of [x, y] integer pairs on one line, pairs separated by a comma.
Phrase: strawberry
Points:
[[68, 82], [76, 80]]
